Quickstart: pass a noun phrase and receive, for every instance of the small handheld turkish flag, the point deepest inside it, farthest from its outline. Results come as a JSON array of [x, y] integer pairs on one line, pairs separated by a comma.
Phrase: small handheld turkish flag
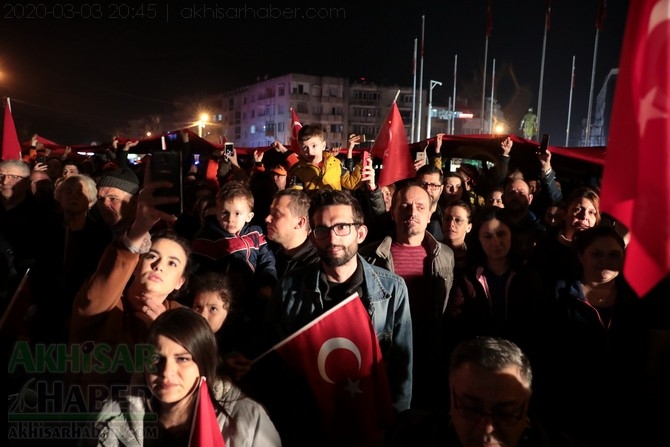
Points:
[[340, 357]]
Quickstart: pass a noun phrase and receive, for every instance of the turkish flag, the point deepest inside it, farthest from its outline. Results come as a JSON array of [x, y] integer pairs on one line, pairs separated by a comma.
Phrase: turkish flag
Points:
[[340, 357], [636, 176], [11, 148], [205, 431], [392, 147], [295, 129]]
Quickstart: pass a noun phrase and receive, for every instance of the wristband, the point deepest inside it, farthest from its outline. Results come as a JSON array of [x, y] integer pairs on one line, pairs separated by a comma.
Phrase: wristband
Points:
[[144, 248]]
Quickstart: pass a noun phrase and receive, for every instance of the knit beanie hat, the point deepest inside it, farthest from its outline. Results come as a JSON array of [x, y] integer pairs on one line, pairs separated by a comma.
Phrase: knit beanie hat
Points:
[[123, 179]]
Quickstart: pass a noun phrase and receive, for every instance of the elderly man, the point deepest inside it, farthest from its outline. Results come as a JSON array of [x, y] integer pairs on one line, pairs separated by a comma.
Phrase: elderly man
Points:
[[427, 266], [117, 191]]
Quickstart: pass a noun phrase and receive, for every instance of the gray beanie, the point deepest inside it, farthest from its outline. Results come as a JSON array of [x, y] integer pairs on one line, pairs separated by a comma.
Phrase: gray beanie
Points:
[[123, 179]]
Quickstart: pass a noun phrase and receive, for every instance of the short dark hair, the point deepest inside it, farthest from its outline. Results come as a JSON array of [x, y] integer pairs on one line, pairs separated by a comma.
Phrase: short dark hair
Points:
[[430, 169], [299, 201], [234, 190], [327, 197], [310, 131], [212, 282], [583, 239]]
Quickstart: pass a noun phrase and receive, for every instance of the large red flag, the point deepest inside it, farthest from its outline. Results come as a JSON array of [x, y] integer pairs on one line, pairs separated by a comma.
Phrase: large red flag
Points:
[[339, 354], [636, 176], [392, 147], [205, 431], [11, 148], [295, 129]]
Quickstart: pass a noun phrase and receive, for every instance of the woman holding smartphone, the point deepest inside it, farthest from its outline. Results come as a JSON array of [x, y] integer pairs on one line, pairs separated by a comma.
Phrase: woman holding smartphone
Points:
[[137, 278]]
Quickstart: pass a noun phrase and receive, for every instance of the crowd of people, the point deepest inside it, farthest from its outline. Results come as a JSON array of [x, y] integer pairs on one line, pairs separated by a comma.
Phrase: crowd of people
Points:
[[497, 298]]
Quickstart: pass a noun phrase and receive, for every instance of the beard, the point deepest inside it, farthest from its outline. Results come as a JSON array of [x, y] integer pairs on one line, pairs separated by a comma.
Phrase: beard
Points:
[[345, 256]]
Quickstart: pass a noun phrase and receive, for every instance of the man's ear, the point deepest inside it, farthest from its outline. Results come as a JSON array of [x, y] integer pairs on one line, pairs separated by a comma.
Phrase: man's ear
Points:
[[302, 223], [362, 233]]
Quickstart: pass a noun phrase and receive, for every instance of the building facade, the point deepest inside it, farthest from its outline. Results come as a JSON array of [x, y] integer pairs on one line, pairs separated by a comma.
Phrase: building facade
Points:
[[258, 114]]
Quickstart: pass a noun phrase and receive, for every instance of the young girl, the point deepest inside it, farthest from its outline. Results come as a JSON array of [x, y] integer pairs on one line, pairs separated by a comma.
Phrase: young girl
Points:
[[212, 298]]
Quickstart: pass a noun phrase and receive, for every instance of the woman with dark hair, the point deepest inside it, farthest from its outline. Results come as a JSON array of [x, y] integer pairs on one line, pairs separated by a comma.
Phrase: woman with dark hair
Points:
[[596, 341], [499, 294], [159, 406], [137, 279]]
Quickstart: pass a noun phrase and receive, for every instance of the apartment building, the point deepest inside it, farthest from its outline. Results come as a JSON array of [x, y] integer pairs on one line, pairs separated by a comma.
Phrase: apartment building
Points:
[[256, 115]]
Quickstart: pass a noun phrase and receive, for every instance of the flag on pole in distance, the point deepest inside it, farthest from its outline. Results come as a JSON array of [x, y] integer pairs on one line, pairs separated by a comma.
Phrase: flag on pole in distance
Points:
[[205, 431], [547, 16], [11, 148], [602, 12], [295, 130], [636, 176], [489, 19], [340, 357], [392, 147]]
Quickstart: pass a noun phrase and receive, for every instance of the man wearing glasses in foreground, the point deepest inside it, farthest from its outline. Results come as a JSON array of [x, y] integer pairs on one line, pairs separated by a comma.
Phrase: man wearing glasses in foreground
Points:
[[490, 381]]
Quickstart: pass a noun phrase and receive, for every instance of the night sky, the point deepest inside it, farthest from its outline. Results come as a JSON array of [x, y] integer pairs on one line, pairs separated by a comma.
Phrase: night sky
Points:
[[75, 80]]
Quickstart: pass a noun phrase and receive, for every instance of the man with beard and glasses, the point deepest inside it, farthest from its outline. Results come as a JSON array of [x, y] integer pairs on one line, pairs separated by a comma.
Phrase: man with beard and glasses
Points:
[[302, 295], [427, 266]]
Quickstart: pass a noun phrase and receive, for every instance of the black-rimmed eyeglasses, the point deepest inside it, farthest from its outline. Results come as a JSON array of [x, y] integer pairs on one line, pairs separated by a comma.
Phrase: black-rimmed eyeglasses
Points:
[[476, 414], [340, 229], [426, 185]]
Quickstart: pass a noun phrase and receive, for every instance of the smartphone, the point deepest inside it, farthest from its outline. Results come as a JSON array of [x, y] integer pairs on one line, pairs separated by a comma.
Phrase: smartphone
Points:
[[362, 138], [167, 166], [421, 155], [545, 143], [229, 150], [41, 158], [366, 159]]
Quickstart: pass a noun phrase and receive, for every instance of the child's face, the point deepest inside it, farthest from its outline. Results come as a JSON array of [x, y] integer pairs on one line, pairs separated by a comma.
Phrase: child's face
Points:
[[210, 306], [233, 214], [313, 149]]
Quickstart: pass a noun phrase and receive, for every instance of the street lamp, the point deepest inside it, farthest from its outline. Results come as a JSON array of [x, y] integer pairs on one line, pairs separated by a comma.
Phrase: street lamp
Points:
[[201, 123], [430, 105]]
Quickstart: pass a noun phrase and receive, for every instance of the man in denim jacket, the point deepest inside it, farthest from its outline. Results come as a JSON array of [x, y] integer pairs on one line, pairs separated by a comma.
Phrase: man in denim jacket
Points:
[[301, 296]]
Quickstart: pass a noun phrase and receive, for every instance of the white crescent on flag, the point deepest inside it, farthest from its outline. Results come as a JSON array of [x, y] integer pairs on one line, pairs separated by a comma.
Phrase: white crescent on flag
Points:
[[331, 345]]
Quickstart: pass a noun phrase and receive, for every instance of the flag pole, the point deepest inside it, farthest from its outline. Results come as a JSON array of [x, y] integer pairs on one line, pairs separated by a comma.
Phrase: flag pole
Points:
[[396, 96], [572, 86], [418, 126], [587, 141], [493, 78], [413, 90], [453, 104], [544, 50], [486, 50], [489, 29]]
